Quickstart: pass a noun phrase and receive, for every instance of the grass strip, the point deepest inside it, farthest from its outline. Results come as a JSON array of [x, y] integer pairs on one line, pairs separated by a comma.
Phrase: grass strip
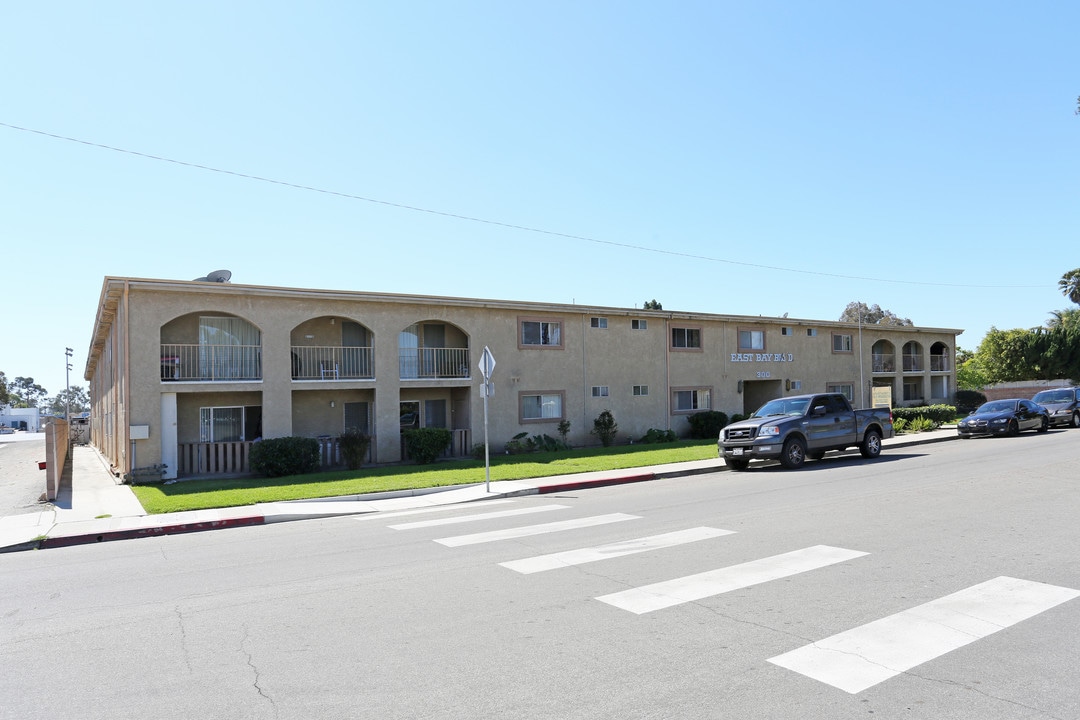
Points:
[[232, 492]]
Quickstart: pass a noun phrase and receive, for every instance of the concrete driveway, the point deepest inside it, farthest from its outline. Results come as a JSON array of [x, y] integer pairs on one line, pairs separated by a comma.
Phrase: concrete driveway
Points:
[[21, 482]]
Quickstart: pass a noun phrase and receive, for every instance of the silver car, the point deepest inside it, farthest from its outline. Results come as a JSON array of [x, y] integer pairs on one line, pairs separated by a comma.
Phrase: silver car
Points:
[[1063, 405]]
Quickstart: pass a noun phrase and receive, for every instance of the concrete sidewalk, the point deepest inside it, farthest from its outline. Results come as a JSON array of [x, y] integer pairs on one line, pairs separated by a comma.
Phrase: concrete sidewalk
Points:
[[96, 508]]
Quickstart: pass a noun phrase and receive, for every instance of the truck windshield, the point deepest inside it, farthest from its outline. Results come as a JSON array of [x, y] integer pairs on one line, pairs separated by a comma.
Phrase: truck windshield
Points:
[[782, 407]]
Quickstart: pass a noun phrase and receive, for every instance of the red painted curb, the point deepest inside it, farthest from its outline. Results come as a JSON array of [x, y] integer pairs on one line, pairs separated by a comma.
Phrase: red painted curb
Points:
[[583, 484], [91, 538]]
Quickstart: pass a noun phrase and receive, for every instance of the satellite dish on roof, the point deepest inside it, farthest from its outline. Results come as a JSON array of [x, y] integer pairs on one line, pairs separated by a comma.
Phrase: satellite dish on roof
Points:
[[221, 276]]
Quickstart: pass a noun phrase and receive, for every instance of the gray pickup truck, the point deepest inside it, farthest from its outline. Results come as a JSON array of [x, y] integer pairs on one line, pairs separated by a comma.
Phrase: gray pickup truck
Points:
[[790, 429]]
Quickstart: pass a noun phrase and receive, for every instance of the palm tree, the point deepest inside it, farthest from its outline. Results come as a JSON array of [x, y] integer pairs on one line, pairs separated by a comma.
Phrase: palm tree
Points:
[[1070, 285]]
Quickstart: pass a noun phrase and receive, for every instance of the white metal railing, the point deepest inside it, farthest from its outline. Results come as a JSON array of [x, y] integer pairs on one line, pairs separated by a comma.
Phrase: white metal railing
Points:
[[884, 362], [213, 363], [415, 363], [939, 363], [913, 363], [328, 362]]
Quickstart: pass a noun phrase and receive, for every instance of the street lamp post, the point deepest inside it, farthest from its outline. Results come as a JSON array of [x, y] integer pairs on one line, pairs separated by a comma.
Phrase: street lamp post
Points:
[[67, 385]]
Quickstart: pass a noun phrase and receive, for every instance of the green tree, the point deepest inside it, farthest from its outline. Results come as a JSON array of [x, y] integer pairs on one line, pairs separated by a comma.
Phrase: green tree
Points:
[[5, 398], [79, 398], [26, 392], [652, 305], [1070, 285], [969, 373], [872, 315]]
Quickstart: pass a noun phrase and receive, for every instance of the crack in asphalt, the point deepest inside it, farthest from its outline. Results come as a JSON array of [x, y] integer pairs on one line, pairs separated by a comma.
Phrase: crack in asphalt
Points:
[[255, 670]]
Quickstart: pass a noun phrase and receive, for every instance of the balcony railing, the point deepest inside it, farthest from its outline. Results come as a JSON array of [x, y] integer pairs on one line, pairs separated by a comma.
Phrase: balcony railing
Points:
[[884, 362], [939, 363], [332, 363], [913, 363], [433, 363], [211, 363]]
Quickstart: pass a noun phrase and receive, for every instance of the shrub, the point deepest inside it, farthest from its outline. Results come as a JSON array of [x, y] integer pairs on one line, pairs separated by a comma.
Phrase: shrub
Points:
[[544, 443], [564, 430], [276, 457], [516, 444], [658, 436], [707, 425], [936, 415], [921, 424], [478, 451], [899, 425], [424, 445], [605, 427], [354, 446], [968, 400], [737, 417]]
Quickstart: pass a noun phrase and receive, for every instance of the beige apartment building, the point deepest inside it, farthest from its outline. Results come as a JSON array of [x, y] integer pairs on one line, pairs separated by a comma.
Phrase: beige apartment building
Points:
[[189, 373]]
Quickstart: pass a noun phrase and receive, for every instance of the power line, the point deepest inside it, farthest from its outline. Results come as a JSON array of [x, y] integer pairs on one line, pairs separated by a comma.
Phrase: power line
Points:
[[496, 223]]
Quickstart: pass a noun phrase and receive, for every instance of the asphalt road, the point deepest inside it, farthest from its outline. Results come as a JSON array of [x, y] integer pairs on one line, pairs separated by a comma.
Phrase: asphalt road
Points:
[[21, 482], [382, 617]]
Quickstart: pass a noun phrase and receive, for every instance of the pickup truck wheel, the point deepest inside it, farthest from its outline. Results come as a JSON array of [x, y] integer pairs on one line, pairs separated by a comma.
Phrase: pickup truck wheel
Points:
[[871, 444], [737, 465], [794, 453]]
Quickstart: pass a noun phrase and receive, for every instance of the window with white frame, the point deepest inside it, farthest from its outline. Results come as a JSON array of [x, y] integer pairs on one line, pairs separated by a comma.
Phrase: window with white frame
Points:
[[598, 322], [637, 324], [686, 400], [641, 390], [845, 389], [540, 407], [787, 331], [541, 333], [841, 343], [751, 339], [600, 391], [221, 424], [686, 338], [811, 332]]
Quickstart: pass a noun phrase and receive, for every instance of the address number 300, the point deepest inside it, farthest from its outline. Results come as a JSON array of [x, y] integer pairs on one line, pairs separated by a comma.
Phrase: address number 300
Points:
[[764, 374]]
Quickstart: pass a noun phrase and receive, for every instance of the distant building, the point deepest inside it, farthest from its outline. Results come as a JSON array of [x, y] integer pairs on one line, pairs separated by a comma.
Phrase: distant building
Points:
[[189, 374], [26, 419]]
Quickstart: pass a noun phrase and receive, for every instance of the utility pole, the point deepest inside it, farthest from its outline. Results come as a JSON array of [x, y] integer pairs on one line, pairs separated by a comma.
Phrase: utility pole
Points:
[[67, 386]]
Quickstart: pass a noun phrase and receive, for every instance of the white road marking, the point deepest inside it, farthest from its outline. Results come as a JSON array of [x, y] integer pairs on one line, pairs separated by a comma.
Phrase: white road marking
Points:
[[714, 582], [528, 530], [612, 550], [477, 516], [383, 514], [865, 656]]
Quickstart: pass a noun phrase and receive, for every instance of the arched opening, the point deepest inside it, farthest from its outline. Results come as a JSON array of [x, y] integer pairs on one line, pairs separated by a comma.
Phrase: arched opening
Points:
[[913, 361], [210, 347], [884, 357], [332, 348]]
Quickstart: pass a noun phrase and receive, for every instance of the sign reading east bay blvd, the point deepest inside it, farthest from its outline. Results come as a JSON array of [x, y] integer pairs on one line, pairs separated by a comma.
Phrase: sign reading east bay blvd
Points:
[[762, 357]]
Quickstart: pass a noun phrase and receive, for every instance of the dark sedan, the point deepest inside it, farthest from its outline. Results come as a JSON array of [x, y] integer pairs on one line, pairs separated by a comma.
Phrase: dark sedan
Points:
[[1063, 404], [1004, 417]]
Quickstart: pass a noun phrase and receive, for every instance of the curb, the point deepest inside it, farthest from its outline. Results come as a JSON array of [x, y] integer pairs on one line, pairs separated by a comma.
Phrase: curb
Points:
[[173, 529]]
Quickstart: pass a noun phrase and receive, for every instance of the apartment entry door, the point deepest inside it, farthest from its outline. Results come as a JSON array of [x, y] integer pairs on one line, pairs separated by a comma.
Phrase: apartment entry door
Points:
[[758, 392]]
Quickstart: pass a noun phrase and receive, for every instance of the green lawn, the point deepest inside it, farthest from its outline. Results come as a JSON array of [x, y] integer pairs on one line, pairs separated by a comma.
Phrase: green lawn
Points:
[[202, 494]]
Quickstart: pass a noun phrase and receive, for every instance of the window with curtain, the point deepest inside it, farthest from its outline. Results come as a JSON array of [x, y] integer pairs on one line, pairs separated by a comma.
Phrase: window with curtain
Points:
[[546, 406], [221, 424], [229, 349]]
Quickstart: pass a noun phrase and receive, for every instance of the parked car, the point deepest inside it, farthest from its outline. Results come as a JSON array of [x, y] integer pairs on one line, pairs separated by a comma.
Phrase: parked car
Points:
[[1063, 404], [791, 429], [1005, 417]]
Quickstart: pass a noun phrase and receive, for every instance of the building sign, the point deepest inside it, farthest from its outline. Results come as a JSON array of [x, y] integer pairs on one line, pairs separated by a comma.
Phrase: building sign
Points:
[[762, 357]]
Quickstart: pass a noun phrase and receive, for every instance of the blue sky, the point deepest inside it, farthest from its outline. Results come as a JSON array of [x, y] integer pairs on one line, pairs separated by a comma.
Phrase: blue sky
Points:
[[743, 158]]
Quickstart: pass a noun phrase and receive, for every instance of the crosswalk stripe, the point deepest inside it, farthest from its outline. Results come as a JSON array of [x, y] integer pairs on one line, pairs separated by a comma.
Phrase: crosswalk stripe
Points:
[[527, 530], [865, 656], [383, 514], [612, 550], [477, 516], [665, 594]]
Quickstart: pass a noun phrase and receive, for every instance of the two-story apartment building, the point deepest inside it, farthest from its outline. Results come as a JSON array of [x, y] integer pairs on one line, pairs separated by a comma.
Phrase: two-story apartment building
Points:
[[189, 373]]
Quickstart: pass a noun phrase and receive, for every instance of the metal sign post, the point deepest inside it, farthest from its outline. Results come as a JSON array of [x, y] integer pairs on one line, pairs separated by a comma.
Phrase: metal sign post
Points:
[[487, 389]]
